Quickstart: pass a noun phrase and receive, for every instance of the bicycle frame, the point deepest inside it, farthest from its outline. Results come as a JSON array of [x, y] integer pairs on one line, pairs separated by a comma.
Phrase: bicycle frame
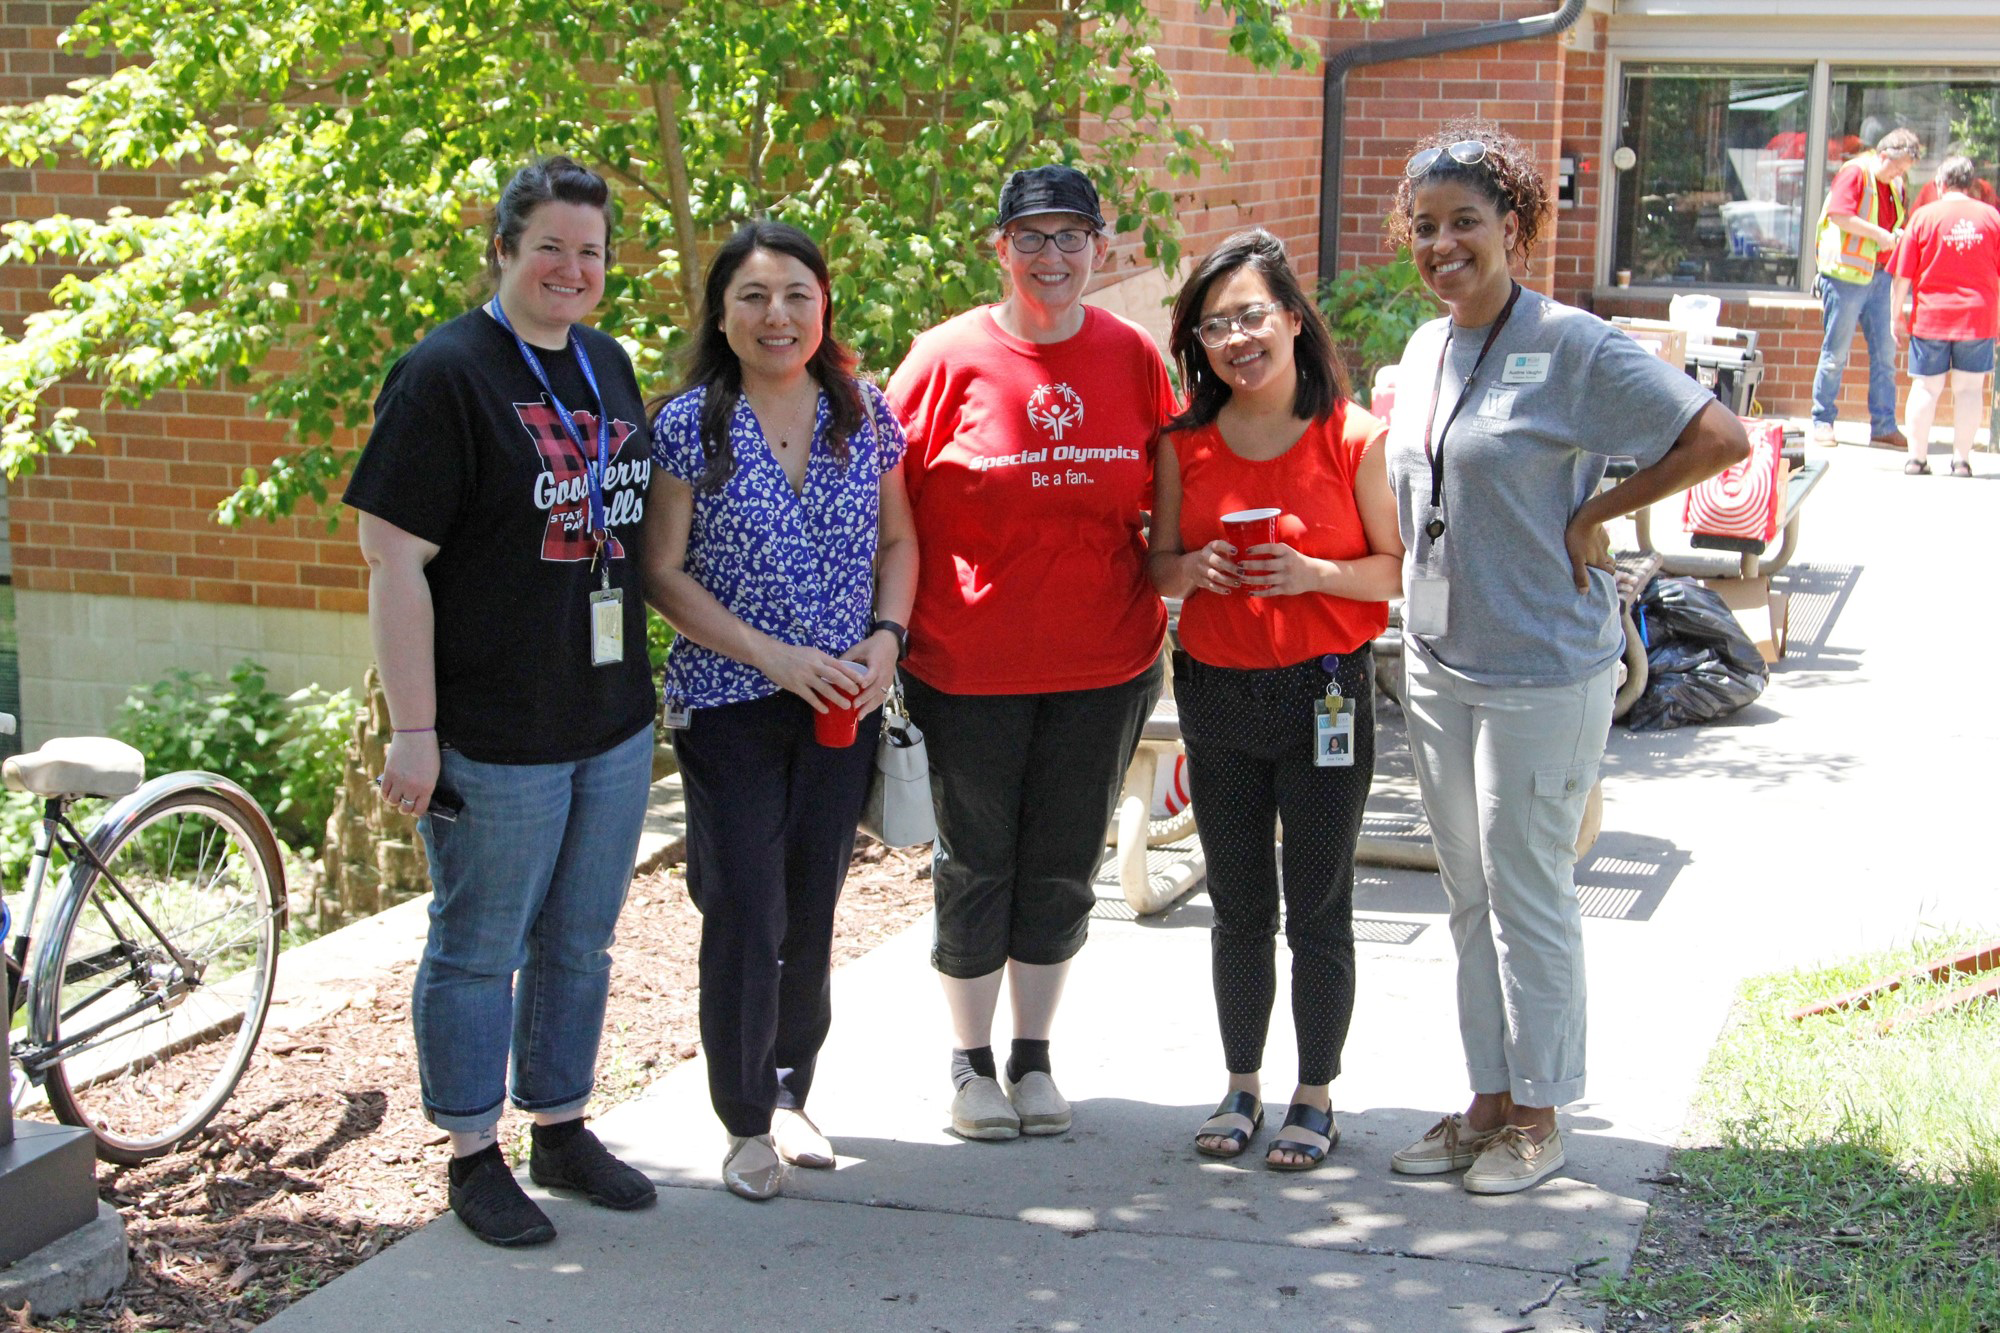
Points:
[[86, 862]]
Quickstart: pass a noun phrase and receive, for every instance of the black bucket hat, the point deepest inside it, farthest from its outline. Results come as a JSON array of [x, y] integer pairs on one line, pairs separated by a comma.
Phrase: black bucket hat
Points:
[[1050, 189]]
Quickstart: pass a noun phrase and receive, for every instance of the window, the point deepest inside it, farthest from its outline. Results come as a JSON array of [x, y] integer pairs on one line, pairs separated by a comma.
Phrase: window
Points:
[[1952, 111], [1715, 194]]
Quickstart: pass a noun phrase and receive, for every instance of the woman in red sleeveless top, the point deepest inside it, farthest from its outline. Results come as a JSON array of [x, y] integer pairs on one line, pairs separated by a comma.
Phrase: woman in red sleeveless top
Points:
[[1274, 678]]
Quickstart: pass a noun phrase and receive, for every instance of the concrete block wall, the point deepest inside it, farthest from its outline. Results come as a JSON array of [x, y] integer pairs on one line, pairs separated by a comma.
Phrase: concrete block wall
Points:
[[82, 653]]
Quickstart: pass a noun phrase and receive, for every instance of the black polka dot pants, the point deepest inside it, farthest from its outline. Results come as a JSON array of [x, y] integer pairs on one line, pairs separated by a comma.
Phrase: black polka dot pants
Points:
[[1250, 762]]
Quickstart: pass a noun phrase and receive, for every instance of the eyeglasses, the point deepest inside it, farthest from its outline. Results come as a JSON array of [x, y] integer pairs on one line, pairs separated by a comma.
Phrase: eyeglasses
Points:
[[1251, 320], [1466, 152], [1030, 242]]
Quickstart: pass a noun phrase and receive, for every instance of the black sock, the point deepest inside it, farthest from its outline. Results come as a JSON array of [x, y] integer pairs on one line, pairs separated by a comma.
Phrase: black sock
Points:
[[968, 1065], [1028, 1057], [556, 1135], [462, 1167]]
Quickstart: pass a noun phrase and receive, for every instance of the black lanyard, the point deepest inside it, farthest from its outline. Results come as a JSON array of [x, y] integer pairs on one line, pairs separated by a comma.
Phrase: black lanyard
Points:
[[1435, 528]]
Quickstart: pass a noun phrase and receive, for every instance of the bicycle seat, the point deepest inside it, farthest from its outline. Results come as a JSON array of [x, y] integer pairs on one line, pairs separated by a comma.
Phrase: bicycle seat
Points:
[[77, 766]]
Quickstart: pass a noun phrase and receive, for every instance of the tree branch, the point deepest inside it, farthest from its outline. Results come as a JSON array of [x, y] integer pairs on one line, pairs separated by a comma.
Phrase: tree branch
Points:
[[667, 122]]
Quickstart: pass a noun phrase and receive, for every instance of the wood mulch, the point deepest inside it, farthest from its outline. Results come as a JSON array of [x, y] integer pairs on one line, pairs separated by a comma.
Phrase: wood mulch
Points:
[[322, 1157]]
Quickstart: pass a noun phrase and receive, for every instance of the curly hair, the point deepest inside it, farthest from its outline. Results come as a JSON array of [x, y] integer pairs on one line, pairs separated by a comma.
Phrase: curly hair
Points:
[[1507, 176]]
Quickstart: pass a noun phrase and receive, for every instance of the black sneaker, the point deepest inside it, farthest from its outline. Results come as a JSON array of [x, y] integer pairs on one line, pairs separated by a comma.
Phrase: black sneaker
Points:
[[575, 1160], [492, 1203]]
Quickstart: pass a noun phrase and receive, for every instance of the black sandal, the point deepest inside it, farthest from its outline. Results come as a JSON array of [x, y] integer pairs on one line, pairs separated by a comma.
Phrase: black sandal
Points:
[[1243, 1105], [1960, 468], [1916, 467], [1305, 1116]]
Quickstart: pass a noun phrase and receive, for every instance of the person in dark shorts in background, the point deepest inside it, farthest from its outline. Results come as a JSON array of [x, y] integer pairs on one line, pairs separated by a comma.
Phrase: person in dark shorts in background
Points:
[[1950, 261]]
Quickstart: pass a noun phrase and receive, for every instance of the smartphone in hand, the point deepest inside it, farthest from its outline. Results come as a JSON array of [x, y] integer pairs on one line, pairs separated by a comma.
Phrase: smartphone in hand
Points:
[[445, 804]]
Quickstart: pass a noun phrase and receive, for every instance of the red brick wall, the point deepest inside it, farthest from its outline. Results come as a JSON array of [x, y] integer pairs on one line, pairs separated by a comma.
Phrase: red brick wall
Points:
[[1521, 85], [1271, 119], [134, 516]]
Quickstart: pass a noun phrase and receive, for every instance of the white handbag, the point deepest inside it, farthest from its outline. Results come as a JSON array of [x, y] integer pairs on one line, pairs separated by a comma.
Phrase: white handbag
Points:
[[898, 811]]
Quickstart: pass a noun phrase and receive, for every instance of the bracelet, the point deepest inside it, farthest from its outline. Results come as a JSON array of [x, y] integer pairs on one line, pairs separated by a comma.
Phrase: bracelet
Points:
[[406, 731]]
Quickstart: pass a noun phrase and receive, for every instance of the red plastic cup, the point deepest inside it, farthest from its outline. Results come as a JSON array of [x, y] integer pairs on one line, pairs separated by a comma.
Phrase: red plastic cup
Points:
[[837, 727], [1250, 527]]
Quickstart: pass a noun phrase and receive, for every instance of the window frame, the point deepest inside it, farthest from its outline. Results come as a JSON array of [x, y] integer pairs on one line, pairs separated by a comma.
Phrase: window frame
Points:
[[1630, 45]]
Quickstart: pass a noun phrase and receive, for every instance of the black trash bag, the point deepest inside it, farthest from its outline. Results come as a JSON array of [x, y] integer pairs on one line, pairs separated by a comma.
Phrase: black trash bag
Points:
[[1700, 664], [1681, 609]]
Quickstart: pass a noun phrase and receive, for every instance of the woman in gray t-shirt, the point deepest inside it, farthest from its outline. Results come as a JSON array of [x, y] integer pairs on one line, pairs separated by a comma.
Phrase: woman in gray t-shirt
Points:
[[1508, 412]]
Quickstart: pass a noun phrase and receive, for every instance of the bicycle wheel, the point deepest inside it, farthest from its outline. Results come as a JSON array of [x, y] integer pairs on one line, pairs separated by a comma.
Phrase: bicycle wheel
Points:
[[166, 968]]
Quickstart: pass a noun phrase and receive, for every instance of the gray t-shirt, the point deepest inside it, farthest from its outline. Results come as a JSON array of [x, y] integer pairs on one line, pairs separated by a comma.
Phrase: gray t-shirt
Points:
[[1560, 393]]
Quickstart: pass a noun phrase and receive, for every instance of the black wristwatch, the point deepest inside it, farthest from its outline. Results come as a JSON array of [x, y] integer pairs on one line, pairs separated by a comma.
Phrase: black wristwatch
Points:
[[902, 636]]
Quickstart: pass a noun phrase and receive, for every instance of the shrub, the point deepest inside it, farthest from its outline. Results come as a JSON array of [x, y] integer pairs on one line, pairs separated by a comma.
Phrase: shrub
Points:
[[287, 751], [1372, 313]]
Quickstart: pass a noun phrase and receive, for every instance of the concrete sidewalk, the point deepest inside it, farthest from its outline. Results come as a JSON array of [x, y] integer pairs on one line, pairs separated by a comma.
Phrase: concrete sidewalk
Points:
[[1839, 813]]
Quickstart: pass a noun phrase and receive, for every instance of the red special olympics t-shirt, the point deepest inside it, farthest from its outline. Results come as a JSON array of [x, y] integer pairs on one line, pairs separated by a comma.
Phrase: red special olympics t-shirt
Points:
[[1951, 255], [1313, 483], [1029, 469]]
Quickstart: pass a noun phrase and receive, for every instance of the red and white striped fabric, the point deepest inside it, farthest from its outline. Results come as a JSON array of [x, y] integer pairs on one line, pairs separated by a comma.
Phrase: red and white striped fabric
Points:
[[1742, 500]]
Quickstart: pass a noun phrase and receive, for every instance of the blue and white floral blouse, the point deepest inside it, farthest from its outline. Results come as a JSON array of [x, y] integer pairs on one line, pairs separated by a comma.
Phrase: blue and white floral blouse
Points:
[[801, 568]]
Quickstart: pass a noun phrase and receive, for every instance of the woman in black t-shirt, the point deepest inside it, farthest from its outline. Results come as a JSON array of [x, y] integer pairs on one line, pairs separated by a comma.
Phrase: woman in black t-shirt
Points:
[[501, 497]]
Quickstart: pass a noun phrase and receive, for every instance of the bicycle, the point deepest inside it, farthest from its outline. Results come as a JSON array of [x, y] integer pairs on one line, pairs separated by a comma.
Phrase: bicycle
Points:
[[143, 997]]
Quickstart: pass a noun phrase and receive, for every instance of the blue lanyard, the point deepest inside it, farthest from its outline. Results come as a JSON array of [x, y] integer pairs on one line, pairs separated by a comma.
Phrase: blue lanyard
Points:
[[595, 472]]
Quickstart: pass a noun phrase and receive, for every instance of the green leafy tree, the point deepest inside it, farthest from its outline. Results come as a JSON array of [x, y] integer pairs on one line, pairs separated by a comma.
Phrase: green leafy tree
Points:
[[340, 151]]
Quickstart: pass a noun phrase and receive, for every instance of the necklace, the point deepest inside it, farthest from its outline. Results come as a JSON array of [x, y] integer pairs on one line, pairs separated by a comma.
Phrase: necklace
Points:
[[799, 420]]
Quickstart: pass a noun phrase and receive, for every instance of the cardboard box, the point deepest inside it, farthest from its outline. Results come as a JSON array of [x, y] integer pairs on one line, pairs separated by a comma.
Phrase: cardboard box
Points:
[[1657, 336], [1761, 612]]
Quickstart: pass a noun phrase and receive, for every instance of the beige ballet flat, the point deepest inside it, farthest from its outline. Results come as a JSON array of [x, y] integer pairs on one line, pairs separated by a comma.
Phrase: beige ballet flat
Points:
[[753, 1169]]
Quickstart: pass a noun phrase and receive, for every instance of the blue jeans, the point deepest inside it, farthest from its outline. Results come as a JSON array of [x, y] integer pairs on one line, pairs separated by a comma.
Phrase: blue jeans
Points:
[[1843, 306], [528, 880]]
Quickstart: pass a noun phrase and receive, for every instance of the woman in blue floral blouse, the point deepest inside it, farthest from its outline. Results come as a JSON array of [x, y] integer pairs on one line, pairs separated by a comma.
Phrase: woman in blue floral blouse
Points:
[[779, 544]]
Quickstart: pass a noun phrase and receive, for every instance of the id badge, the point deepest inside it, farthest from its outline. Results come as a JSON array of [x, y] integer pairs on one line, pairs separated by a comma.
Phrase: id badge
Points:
[[678, 715], [1333, 732], [1427, 610], [607, 626]]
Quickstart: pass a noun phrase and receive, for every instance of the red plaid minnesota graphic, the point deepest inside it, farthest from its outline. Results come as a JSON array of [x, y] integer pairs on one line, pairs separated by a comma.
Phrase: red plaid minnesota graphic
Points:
[[562, 489]]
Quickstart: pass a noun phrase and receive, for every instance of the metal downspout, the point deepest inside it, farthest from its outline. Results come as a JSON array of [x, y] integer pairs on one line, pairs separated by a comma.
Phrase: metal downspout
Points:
[[1334, 115]]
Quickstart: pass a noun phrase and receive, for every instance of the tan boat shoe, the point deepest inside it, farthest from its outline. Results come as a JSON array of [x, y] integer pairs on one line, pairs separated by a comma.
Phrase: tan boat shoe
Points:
[[1513, 1162], [1449, 1145]]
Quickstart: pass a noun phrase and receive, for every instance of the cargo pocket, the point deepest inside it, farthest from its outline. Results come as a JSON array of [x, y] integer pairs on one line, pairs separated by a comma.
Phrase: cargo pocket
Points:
[[1560, 794]]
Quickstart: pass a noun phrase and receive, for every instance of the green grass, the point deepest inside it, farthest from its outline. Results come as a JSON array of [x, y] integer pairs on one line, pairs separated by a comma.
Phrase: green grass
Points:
[[1851, 1179]]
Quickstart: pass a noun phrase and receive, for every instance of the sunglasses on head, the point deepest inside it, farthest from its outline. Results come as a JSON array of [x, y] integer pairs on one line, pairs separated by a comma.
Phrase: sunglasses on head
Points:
[[1466, 152]]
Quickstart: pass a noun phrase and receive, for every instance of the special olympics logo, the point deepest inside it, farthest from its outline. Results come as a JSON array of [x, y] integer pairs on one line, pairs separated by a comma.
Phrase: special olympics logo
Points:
[[1055, 408]]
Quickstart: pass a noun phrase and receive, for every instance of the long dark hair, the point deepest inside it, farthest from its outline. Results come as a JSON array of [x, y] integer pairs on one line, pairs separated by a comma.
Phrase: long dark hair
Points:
[[712, 364], [555, 179], [1322, 381]]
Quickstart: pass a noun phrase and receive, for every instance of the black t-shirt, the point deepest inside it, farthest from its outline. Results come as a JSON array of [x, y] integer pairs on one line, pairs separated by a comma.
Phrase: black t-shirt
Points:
[[468, 453]]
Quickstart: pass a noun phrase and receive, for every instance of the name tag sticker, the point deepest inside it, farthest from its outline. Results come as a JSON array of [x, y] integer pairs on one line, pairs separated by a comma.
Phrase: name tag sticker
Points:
[[1498, 404], [1525, 368]]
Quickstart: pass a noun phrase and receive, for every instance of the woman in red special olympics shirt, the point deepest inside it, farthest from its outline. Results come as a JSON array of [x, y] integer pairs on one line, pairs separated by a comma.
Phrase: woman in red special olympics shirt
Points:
[[1275, 680], [1035, 642]]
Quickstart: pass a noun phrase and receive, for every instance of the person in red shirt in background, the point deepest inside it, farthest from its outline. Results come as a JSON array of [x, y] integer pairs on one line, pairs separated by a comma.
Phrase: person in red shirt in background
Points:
[[1275, 680], [1034, 648], [1950, 258], [1981, 189]]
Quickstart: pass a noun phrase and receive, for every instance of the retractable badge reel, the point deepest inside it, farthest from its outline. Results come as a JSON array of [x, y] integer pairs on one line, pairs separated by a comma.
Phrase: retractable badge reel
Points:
[[1333, 725]]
